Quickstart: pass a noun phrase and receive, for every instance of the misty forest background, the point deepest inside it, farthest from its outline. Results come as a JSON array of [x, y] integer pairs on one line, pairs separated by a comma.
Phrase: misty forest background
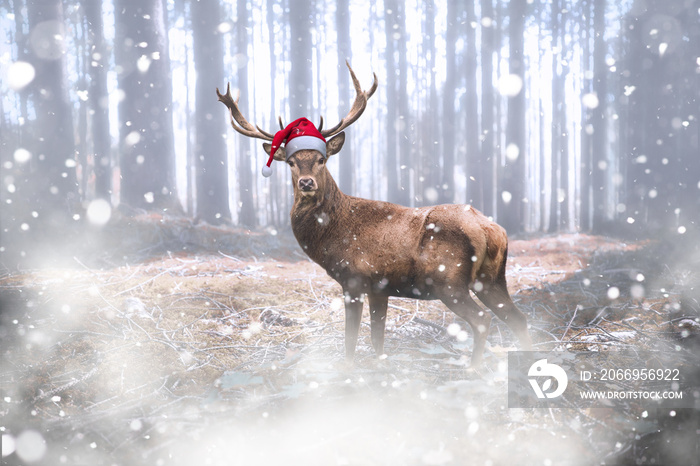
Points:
[[550, 116]]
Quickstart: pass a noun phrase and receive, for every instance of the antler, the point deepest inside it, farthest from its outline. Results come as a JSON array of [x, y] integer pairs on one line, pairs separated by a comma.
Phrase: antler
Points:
[[358, 106], [243, 126]]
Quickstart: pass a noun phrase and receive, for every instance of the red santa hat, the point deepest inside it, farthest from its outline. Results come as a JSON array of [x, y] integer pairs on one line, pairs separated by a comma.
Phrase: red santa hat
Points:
[[298, 135]]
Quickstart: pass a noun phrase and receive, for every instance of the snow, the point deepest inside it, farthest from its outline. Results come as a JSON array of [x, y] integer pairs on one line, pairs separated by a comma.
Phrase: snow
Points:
[[453, 329], [30, 446], [431, 194], [637, 291], [590, 100], [336, 304], [143, 64], [224, 27], [663, 46], [99, 212], [22, 155], [8, 445], [47, 40], [510, 85], [512, 152], [132, 138], [19, 75]]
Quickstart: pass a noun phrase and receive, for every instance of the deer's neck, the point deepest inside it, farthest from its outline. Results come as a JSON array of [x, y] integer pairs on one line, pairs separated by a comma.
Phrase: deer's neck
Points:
[[316, 219]]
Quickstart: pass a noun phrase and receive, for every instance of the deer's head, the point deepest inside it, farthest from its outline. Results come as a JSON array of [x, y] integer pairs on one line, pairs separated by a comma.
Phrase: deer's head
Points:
[[305, 157], [308, 166]]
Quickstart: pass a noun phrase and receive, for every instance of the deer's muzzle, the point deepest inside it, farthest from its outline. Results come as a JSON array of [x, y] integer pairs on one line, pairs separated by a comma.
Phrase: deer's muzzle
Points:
[[307, 184]]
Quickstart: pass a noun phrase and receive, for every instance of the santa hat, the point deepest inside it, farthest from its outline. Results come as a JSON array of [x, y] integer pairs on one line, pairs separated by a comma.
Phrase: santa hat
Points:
[[298, 135]]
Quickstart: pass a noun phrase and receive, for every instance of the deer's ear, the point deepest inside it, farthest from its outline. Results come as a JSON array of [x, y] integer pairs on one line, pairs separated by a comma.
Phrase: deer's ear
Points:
[[280, 154], [334, 144]]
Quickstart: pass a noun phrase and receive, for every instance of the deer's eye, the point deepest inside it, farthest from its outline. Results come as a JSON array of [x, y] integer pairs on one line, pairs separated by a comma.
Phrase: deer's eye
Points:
[[321, 161], [291, 163]]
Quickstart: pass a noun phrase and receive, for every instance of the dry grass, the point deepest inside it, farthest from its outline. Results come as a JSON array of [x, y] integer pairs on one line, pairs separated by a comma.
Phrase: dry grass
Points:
[[212, 346]]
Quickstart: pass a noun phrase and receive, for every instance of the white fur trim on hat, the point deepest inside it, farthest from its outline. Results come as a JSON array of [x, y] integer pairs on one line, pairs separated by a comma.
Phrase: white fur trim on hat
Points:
[[305, 142]]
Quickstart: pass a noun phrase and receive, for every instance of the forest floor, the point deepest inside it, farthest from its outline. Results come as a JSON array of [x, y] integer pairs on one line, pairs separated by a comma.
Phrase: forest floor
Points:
[[167, 343]]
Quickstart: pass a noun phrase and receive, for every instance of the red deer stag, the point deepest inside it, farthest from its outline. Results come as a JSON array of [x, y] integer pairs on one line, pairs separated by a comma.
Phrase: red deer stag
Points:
[[382, 249]]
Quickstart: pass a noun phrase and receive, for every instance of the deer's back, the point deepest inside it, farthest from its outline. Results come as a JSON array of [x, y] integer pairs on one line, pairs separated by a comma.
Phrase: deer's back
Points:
[[413, 252]]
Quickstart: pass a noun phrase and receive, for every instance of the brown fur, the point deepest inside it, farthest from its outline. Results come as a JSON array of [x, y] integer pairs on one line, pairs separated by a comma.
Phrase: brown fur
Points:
[[382, 249]]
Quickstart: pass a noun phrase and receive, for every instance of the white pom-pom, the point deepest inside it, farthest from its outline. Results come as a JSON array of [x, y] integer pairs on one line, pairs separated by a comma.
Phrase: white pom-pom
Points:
[[266, 171]]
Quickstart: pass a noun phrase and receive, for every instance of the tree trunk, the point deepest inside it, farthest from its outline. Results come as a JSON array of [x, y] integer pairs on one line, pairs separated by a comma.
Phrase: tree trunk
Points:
[[405, 152], [480, 190], [599, 168], [475, 158], [99, 100], [246, 174], [346, 178], [210, 152], [392, 168], [301, 21], [449, 91], [510, 213], [53, 188], [279, 192], [558, 203], [145, 117], [586, 139]]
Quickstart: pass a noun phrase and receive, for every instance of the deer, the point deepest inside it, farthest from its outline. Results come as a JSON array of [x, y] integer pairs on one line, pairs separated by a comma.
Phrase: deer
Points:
[[379, 249]]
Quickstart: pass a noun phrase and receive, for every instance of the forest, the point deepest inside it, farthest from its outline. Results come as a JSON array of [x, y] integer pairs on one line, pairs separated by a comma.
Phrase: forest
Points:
[[548, 116], [152, 294]]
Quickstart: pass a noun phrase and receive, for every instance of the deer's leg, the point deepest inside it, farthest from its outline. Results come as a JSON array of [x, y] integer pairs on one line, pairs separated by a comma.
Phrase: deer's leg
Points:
[[497, 298], [465, 307], [377, 313], [353, 317]]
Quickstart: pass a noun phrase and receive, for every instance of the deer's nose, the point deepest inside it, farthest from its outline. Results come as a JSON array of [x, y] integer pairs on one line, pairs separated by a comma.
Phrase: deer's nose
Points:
[[307, 184]]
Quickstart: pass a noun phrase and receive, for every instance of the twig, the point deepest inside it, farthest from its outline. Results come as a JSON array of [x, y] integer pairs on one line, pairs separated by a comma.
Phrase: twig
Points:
[[566, 330], [140, 285]]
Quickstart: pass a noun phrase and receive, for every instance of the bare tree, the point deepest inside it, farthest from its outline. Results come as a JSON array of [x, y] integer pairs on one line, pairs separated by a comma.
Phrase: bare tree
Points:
[[559, 175], [53, 193], [474, 156], [301, 20], [428, 185], [145, 117], [247, 210], [99, 65], [449, 89], [209, 149], [480, 190], [392, 166], [599, 168], [510, 212], [405, 147], [397, 128], [346, 178]]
